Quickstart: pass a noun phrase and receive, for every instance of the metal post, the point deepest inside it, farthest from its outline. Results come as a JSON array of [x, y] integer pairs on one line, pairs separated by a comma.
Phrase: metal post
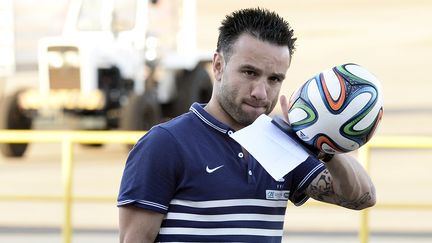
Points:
[[67, 172], [364, 227], [364, 158]]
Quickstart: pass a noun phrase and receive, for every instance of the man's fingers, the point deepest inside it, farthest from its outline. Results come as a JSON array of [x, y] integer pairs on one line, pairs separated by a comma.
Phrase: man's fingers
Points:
[[284, 105]]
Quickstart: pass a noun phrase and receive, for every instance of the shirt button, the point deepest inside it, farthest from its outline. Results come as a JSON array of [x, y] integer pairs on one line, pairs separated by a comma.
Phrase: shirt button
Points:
[[240, 155], [250, 172], [230, 132]]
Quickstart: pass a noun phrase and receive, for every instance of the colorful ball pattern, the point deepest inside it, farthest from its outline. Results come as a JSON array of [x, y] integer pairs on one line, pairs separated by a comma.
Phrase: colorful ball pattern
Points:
[[338, 110]]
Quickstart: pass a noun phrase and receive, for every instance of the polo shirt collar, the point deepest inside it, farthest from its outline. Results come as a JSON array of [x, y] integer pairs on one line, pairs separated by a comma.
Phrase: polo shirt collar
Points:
[[204, 116]]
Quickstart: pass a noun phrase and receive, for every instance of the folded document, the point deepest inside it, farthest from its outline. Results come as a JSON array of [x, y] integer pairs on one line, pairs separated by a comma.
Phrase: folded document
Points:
[[277, 152]]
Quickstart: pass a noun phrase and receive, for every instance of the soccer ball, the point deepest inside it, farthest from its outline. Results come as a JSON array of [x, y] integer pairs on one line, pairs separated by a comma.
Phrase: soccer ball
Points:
[[338, 110]]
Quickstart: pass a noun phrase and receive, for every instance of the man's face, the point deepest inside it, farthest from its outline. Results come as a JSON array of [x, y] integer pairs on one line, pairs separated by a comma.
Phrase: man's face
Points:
[[248, 84]]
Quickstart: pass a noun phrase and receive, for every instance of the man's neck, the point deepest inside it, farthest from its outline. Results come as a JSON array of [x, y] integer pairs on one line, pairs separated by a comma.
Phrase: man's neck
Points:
[[215, 110]]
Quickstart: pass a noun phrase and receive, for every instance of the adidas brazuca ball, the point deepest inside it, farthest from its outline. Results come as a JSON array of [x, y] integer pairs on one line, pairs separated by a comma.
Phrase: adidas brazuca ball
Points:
[[338, 110]]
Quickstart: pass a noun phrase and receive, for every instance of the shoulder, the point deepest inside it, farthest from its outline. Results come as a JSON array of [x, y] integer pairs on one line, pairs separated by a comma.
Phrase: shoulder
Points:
[[166, 136], [183, 122], [168, 130]]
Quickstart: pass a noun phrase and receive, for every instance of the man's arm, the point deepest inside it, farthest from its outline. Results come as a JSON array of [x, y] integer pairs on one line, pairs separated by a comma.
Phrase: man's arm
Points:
[[344, 183], [138, 225]]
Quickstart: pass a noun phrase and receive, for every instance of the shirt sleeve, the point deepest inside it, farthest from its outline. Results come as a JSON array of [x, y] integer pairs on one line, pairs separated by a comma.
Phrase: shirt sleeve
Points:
[[149, 177], [301, 178]]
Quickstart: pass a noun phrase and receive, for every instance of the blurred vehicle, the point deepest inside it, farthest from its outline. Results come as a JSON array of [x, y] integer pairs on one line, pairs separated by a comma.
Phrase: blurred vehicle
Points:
[[106, 71]]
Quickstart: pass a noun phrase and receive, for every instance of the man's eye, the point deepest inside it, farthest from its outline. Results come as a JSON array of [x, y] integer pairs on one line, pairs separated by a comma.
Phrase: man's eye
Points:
[[250, 73], [275, 79]]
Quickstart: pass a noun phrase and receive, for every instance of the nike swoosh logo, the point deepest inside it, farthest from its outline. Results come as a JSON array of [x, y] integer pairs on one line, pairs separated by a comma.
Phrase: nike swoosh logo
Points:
[[214, 169]]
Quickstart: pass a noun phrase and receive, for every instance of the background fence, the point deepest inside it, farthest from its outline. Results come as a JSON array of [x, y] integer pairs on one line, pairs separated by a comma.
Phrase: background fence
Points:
[[68, 138]]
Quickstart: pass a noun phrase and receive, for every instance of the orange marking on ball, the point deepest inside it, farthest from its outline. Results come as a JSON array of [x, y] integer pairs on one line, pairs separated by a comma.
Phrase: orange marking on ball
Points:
[[334, 104]]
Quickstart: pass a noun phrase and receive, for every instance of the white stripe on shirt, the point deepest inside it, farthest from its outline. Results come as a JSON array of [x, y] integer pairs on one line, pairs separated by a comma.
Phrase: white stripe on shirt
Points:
[[229, 203], [143, 202], [220, 231], [225, 217]]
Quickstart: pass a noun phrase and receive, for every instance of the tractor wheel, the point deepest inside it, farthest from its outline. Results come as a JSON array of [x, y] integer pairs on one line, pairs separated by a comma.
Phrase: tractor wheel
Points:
[[192, 86], [13, 117]]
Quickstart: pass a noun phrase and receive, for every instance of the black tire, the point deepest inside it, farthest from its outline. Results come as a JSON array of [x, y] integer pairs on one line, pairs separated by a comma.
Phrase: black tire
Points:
[[192, 86], [13, 117], [141, 112]]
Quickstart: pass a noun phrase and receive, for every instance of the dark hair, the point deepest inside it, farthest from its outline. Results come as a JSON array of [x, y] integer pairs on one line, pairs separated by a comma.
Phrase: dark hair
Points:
[[260, 23]]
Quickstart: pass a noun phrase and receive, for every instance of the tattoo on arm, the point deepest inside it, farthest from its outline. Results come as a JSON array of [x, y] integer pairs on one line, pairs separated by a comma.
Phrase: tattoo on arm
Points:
[[321, 189]]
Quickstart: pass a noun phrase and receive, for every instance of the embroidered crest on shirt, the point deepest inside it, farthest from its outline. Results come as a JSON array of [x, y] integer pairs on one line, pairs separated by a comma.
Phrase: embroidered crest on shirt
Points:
[[277, 195]]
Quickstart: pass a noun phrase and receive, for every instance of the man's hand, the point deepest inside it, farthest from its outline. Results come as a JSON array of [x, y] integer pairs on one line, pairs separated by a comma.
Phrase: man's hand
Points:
[[284, 105]]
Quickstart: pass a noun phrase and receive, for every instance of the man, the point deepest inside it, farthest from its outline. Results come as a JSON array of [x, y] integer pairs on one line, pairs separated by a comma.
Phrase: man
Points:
[[187, 181]]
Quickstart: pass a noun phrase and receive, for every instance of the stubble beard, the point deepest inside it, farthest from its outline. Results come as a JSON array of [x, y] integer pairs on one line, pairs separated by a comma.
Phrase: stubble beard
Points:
[[227, 100]]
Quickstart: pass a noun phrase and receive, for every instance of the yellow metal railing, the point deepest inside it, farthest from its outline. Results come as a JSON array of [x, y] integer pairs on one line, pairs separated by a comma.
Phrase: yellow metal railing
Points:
[[389, 142], [69, 138]]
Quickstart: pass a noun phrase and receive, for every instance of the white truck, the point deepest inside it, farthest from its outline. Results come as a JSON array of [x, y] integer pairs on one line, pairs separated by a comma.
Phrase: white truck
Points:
[[105, 70]]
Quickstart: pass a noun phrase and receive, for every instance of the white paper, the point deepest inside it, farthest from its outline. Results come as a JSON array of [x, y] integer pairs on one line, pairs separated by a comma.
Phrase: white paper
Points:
[[272, 148]]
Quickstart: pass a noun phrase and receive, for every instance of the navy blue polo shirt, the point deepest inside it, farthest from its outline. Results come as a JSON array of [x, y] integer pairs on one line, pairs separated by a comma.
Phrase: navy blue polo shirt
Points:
[[191, 170]]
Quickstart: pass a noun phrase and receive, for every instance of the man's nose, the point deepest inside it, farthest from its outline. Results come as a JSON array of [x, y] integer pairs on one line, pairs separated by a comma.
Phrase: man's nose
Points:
[[259, 90]]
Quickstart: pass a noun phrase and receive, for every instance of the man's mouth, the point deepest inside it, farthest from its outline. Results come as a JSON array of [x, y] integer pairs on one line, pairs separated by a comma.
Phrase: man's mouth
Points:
[[255, 106]]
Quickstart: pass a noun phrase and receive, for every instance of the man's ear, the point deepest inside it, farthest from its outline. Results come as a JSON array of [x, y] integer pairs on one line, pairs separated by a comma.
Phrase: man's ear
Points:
[[218, 65]]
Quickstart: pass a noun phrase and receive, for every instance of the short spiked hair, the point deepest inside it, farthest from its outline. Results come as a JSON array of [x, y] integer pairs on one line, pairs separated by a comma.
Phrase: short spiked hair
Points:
[[260, 23]]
